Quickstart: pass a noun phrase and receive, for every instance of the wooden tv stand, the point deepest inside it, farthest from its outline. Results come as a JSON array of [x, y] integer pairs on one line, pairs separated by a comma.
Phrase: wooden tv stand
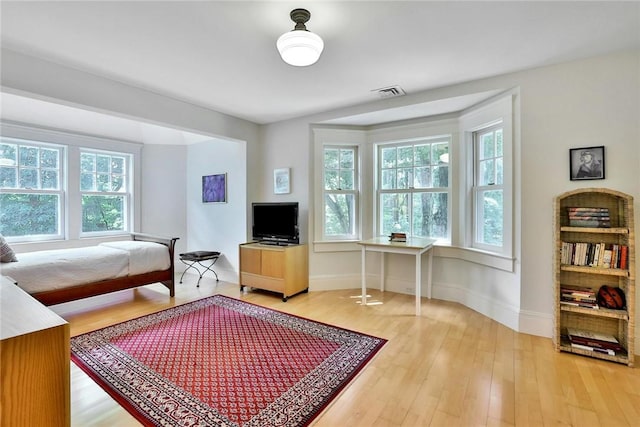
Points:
[[281, 269]]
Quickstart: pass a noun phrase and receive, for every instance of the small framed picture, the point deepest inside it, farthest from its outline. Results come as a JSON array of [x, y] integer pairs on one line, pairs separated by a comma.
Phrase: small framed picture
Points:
[[214, 188], [586, 163], [281, 181]]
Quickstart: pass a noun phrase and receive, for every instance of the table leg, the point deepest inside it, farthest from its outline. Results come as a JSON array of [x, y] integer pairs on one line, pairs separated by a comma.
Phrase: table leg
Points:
[[418, 281], [364, 277], [381, 271], [429, 265]]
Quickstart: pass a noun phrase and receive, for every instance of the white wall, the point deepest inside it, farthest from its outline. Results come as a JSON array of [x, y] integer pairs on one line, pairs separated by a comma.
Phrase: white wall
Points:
[[217, 226], [287, 148], [164, 172]]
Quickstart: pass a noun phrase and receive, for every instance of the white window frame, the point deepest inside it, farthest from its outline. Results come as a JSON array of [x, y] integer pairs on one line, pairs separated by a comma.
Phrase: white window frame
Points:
[[478, 190], [411, 190], [72, 210], [484, 117], [332, 137], [127, 196], [354, 192], [60, 192]]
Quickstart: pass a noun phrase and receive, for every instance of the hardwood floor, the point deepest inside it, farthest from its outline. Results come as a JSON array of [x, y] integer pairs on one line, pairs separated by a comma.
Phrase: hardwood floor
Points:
[[449, 367]]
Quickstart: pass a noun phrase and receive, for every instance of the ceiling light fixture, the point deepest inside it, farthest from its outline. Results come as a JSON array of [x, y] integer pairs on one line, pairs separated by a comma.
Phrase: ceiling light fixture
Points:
[[300, 47]]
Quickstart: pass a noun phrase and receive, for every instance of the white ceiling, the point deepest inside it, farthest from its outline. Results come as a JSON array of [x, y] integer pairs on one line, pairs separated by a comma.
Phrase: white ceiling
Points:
[[222, 55]]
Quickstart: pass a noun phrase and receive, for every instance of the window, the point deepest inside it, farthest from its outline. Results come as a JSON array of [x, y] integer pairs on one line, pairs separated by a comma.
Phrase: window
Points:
[[340, 193], [450, 179], [104, 187], [488, 188], [31, 189], [489, 141], [59, 185], [413, 188]]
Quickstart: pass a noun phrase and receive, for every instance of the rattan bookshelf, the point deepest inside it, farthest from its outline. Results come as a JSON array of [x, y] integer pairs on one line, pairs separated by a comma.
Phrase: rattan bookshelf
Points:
[[619, 323]]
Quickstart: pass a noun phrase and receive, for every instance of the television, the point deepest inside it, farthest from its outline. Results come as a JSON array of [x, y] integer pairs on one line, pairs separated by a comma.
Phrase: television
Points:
[[275, 223]]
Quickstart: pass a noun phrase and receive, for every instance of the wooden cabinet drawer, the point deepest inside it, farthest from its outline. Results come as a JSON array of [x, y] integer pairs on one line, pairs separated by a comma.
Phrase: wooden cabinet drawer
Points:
[[263, 282]]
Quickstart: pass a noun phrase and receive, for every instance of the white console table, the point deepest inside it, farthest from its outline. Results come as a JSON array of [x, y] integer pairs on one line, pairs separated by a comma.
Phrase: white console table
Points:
[[416, 246]]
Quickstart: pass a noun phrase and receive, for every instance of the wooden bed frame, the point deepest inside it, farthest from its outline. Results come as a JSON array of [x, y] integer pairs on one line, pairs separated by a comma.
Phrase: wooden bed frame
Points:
[[166, 277]]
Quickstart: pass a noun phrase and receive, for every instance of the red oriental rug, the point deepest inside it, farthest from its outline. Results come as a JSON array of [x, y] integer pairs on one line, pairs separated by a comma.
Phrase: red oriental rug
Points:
[[220, 361]]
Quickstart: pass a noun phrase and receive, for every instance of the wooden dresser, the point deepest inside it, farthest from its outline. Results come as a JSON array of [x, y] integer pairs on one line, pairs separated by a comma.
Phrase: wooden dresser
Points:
[[34, 362]]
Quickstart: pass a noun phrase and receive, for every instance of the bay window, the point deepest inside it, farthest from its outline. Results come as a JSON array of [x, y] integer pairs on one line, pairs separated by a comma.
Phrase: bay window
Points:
[[413, 188]]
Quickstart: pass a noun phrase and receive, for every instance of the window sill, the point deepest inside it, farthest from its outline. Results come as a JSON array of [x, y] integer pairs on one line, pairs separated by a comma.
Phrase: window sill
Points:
[[476, 256], [493, 260], [336, 246]]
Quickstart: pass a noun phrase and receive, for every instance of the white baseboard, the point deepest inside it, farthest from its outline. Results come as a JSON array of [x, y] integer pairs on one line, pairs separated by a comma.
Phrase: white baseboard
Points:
[[536, 323], [528, 322], [496, 310]]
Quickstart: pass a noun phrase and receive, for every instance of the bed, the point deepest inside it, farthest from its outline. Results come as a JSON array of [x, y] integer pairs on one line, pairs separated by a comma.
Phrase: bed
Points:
[[63, 275]]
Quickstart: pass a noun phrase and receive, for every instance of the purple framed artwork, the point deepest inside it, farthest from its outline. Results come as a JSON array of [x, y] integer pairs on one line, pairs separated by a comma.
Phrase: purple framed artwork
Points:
[[214, 188]]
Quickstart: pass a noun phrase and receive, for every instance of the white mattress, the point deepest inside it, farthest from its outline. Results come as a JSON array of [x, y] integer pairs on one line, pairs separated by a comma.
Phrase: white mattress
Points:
[[143, 256], [56, 269]]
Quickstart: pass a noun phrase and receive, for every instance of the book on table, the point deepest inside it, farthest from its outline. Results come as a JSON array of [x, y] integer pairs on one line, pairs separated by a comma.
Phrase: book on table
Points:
[[398, 237]]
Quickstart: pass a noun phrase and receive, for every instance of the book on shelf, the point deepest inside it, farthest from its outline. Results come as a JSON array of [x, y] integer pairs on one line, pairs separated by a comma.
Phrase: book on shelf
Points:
[[594, 341], [589, 217], [574, 209], [606, 260], [624, 254], [591, 305], [592, 335], [595, 255], [596, 344], [577, 289], [600, 260], [578, 296], [592, 223], [594, 349]]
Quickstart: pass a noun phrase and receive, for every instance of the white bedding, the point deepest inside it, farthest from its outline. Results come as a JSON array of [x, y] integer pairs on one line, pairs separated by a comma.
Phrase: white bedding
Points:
[[56, 269], [143, 256]]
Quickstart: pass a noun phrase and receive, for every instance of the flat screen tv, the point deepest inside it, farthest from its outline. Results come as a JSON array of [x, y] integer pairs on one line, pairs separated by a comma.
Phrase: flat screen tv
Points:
[[276, 223]]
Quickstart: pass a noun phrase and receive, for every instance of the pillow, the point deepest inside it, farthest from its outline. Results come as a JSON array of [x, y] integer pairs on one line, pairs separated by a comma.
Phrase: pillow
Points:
[[6, 253]]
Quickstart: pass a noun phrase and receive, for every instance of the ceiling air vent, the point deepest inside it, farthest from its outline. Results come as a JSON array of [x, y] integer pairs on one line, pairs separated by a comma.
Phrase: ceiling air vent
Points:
[[388, 92]]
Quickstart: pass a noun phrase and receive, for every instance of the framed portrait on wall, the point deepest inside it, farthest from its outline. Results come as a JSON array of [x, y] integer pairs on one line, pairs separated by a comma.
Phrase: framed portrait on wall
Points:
[[281, 181], [214, 188], [586, 163]]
